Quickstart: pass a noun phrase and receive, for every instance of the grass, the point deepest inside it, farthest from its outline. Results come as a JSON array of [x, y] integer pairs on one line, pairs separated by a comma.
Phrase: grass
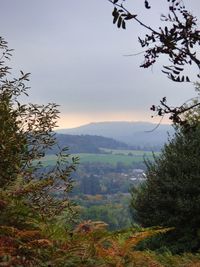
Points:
[[112, 159], [127, 157], [127, 152]]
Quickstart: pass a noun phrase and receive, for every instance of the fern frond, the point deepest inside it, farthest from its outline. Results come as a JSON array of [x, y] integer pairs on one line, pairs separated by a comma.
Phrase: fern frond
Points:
[[40, 243]]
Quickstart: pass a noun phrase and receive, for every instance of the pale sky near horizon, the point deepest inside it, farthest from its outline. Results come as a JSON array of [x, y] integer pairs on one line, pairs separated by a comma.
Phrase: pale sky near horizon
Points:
[[76, 59]]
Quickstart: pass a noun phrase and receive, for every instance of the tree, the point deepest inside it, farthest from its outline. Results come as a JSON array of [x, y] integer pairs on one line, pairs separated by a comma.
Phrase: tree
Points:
[[170, 195], [30, 209], [178, 39], [26, 134]]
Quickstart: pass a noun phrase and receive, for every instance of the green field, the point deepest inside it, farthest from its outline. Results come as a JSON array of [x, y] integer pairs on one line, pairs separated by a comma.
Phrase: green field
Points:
[[127, 157], [126, 152]]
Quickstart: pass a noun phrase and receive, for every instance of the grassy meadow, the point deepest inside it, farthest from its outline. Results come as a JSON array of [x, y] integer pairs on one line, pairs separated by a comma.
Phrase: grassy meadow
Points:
[[108, 156]]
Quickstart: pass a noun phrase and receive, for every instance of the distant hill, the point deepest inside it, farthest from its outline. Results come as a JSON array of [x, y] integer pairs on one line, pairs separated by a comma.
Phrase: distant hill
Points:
[[137, 134], [86, 143]]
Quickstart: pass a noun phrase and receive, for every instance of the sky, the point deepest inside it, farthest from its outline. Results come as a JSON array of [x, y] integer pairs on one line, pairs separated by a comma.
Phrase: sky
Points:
[[76, 58]]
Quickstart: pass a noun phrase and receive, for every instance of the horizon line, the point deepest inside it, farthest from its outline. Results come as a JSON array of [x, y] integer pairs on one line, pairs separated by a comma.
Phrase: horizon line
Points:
[[113, 121]]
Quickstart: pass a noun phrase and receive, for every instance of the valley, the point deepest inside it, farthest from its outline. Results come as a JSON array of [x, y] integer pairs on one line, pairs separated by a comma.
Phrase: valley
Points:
[[106, 173], [108, 168]]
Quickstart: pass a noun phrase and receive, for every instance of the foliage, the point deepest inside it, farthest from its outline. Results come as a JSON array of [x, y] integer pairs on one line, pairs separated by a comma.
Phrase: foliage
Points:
[[89, 245], [37, 216], [170, 196], [115, 215], [193, 116], [26, 133], [178, 38], [28, 203]]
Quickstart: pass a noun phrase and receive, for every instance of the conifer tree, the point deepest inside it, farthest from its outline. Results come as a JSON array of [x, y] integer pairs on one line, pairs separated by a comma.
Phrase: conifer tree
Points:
[[170, 197]]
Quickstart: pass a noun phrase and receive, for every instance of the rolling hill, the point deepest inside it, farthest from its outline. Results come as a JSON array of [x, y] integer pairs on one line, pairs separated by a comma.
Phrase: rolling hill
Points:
[[137, 134], [86, 143]]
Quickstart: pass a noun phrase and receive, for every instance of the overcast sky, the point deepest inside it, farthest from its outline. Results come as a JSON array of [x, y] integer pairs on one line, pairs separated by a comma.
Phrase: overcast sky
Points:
[[76, 59]]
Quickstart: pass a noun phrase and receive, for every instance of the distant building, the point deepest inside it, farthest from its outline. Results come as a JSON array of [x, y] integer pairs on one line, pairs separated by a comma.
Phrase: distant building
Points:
[[138, 175]]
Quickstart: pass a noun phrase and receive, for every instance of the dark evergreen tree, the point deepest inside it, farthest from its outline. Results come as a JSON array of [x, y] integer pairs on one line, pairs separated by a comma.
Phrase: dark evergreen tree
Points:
[[171, 195]]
